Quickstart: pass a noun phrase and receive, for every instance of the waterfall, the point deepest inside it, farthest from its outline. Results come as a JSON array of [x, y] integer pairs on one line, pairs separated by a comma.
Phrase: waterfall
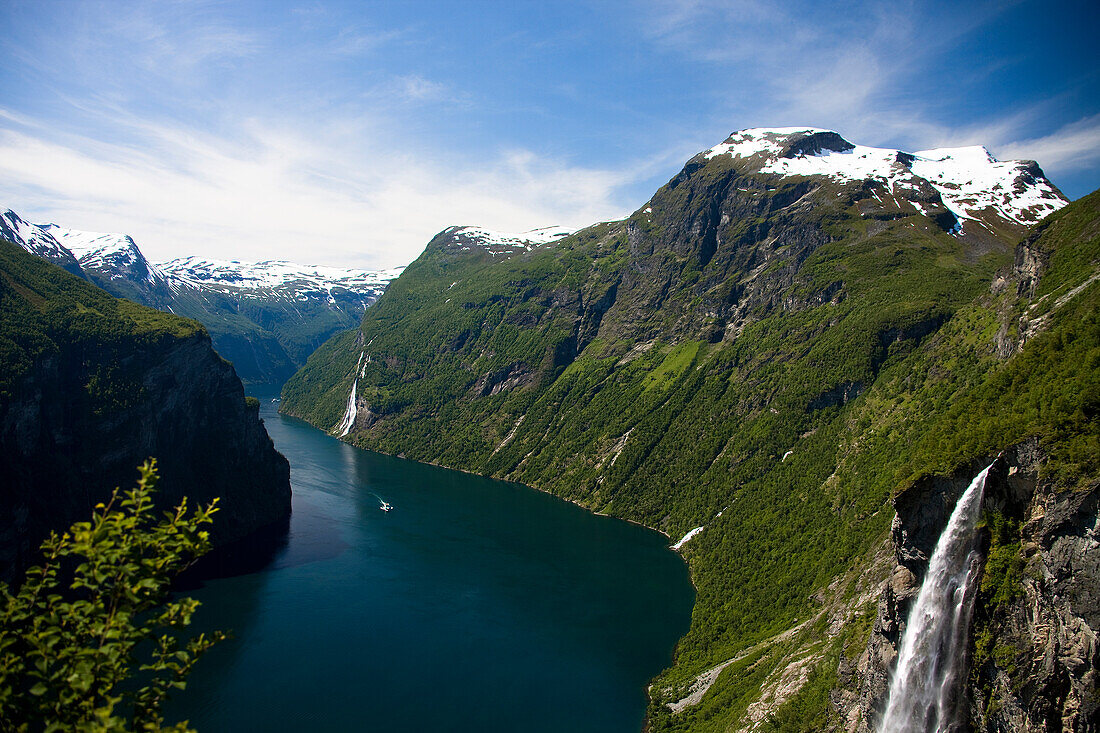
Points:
[[347, 422], [927, 681]]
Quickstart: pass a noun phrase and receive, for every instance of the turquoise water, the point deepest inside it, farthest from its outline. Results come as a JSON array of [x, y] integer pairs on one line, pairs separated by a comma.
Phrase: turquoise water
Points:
[[475, 605]]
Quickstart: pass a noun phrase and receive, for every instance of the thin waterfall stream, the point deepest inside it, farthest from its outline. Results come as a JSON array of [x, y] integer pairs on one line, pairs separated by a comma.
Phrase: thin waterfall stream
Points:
[[927, 681]]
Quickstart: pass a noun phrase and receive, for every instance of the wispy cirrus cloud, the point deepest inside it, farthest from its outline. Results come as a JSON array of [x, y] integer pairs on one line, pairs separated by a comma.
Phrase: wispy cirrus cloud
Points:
[[359, 40], [874, 72], [848, 68], [1075, 146]]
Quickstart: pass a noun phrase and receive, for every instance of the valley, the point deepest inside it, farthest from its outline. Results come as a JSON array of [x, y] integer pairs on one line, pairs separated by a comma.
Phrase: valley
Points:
[[661, 366], [789, 341]]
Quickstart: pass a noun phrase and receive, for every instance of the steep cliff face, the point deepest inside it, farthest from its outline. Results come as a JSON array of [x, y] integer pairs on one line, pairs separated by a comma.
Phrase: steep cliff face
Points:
[[1034, 658], [1039, 669], [93, 386]]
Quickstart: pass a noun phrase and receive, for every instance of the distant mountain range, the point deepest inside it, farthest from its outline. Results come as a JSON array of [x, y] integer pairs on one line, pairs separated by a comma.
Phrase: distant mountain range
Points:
[[265, 317]]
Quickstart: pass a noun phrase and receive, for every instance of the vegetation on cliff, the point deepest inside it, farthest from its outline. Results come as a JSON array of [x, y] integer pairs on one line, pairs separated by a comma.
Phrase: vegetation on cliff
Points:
[[767, 358], [92, 385], [41, 304]]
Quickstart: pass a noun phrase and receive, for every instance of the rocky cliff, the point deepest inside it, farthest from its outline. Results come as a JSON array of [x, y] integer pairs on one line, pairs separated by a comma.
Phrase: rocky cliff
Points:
[[93, 385], [1034, 656]]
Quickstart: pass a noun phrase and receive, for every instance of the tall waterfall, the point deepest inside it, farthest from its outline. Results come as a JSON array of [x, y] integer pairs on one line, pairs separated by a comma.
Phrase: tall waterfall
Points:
[[927, 682], [347, 422]]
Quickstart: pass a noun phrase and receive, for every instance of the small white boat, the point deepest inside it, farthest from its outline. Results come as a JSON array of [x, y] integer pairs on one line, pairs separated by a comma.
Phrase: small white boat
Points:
[[386, 507]]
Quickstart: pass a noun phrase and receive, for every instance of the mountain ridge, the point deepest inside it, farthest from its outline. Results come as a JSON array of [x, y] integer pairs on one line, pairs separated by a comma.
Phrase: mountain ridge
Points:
[[967, 179]]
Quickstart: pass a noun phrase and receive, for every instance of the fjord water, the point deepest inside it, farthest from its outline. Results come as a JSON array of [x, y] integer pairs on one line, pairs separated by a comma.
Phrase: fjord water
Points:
[[475, 605]]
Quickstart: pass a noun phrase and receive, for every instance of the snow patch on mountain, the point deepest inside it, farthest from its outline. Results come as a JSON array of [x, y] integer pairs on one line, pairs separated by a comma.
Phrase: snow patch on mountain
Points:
[[857, 164], [969, 180], [758, 141], [115, 255], [506, 242], [261, 279]]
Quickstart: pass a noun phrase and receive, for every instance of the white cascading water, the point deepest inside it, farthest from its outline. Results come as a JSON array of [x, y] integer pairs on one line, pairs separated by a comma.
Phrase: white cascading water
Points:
[[927, 680], [347, 422]]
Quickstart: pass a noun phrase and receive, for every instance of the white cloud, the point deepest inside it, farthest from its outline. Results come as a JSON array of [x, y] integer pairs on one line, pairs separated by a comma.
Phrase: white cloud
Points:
[[861, 69], [354, 41], [149, 36], [1073, 147], [324, 195]]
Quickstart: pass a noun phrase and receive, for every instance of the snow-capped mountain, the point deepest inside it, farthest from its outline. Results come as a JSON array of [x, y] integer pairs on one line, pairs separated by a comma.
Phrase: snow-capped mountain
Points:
[[265, 317], [111, 261], [968, 181], [275, 278], [37, 240], [467, 238], [116, 256]]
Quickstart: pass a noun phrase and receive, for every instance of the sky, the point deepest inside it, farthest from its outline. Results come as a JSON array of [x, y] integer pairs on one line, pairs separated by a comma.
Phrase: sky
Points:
[[349, 133]]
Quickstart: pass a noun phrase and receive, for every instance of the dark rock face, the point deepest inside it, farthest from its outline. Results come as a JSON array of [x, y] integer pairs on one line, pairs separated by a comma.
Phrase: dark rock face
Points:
[[1048, 675], [815, 144], [1045, 674], [62, 458], [1030, 262], [95, 386]]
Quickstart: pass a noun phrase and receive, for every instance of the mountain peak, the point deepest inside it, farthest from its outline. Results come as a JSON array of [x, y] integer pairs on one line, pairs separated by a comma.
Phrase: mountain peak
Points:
[[37, 240], [114, 256], [471, 238], [970, 181], [778, 142]]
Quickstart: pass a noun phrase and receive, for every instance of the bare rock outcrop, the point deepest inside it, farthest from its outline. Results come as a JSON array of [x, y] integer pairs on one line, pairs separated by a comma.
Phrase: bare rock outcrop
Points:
[[1035, 658]]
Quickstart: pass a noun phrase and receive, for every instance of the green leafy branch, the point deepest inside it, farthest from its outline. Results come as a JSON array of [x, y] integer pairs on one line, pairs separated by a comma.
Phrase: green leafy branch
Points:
[[90, 639]]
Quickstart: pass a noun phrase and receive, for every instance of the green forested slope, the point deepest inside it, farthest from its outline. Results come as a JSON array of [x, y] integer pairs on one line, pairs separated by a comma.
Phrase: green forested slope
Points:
[[769, 358], [40, 303]]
